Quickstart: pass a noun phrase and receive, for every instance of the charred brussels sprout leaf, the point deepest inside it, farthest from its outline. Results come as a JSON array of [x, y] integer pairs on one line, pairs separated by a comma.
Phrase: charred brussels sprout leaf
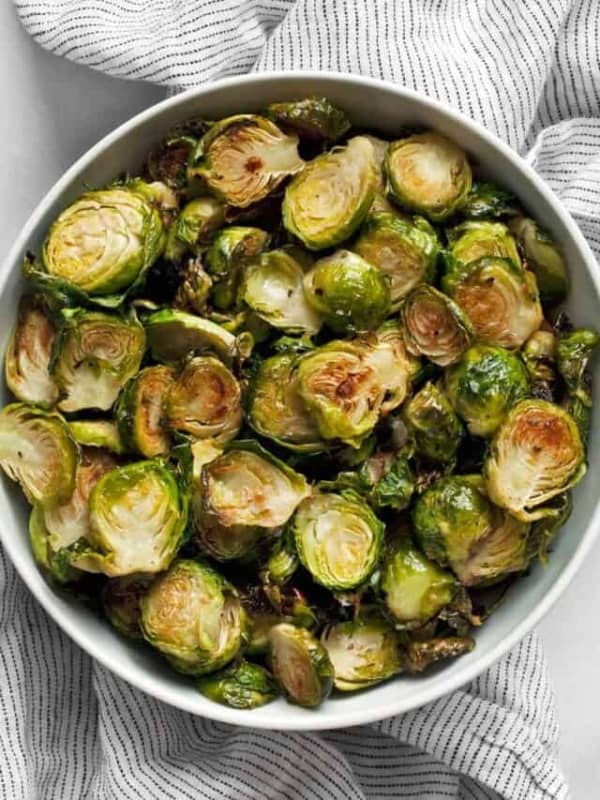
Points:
[[137, 518], [194, 287], [244, 158], [37, 451], [435, 427], [487, 200], [363, 653], [573, 353], [544, 257], [97, 433], [539, 356], [544, 530], [405, 252], [350, 293], [226, 257], [415, 589], [328, 200], [314, 118], [28, 354], [173, 334], [390, 478], [472, 240], [484, 386], [168, 162], [429, 174], [241, 685], [501, 300], [273, 287], [282, 562], [338, 539], [435, 326], [422, 654], [193, 616], [140, 412], [95, 354], [536, 454], [300, 665], [194, 227], [276, 410], [204, 401], [121, 603]]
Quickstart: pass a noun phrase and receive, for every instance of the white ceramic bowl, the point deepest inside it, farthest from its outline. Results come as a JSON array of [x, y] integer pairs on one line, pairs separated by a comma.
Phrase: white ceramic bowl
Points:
[[388, 108]]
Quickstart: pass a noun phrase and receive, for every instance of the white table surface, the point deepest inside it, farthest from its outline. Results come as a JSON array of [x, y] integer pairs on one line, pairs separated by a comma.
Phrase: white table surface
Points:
[[51, 112]]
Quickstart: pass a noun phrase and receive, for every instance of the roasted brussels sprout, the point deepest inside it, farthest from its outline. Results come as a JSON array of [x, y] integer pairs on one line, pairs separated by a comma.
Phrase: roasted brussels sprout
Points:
[[97, 433], [54, 565], [314, 118], [573, 353], [28, 354], [101, 245], [194, 617], [470, 241], [380, 204], [390, 478], [140, 412], [273, 287], [244, 158], [121, 603], [226, 258], [173, 334], [422, 654], [539, 356], [386, 352], [536, 454], [485, 385], [435, 326], [328, 200], [168, 162], [431, 420], [276, 410], [414, 588], [240, 685], [455, 524], [205, 401], [501, 301], [282, 562], [341, 391], [428, 173], [137, 518], [350, 293], [405, 252], [544, 257], [338, 539], [37, 451], [95, 354], [300, 665], [487, 200], [363, 653], [194, 227], [194, 287]]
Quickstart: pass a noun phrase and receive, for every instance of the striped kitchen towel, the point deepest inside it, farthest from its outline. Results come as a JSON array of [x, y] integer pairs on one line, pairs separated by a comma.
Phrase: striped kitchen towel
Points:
[[527, 70]]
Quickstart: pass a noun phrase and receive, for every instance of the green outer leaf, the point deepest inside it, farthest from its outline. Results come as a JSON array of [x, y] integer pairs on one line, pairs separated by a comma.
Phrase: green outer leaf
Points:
[[313, 118], [173, 334], [241, 685]]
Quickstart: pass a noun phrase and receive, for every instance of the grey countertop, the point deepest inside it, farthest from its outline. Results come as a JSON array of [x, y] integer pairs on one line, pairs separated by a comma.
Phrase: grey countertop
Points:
[[52, 111]]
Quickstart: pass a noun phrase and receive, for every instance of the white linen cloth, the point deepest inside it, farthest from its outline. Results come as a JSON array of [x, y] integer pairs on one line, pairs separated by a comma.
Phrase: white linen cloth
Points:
[[530, 72]]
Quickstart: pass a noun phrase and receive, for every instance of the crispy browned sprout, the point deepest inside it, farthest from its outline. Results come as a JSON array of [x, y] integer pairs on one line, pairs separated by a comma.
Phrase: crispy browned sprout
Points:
[[28, 355]]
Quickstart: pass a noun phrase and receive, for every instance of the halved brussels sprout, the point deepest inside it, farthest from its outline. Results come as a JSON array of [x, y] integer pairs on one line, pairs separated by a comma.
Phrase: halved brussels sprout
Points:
[[240, 685], [103, 243], [470, 241], [158, 194], [544, 257], [501, 300], [273, 287], [194, 617], [53, 564], [405, 252], [244, 158], [140, 412], [487, 200], [415, 589], [37, 451], [97, 433], [428, 173], [137, 518], [431, 420], [276, 410], [435, 326], [328, 200], [226, 257], [484, 386], [363, 653], [205, 401], [194, 287], [341, 391], [380, 204], [173, 334], [386, 352], [300, 665], [348, 292], [456, 524], [28, 354], [94, 356], [168, 161], [420, 655], [194, 227], [536, 454], [338, 539], [313, 118], [121, 603]]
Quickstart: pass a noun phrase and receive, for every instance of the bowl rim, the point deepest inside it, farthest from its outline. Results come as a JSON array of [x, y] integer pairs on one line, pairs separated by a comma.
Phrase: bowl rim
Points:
[[422, 695]]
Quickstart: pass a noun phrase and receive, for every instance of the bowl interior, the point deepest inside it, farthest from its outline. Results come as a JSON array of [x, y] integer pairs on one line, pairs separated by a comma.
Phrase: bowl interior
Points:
[[390, 108]]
